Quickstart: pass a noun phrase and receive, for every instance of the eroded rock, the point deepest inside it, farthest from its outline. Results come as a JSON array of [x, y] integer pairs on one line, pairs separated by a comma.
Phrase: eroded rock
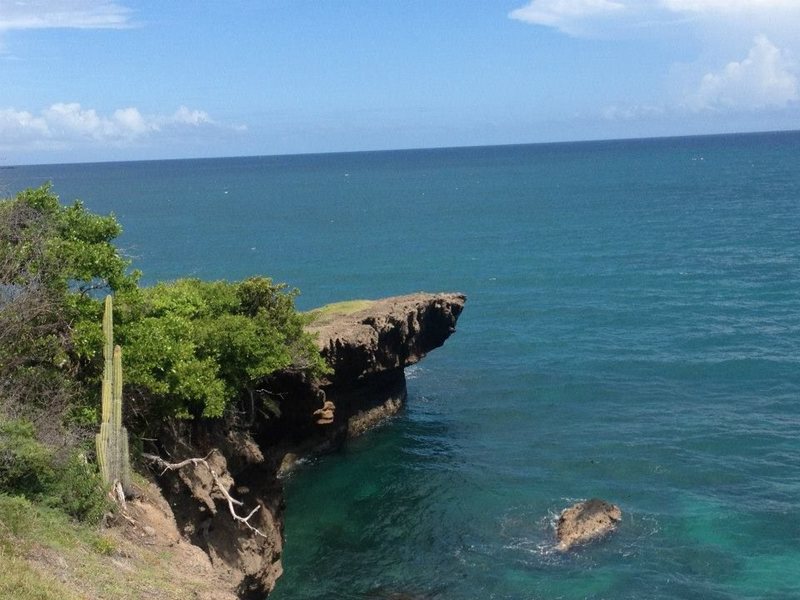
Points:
[[248, 561], [368, 351], [370, 348], [388, 334], [585, 522]]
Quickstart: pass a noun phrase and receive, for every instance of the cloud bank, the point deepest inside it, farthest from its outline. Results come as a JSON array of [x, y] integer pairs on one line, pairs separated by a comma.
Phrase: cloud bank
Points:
[[590, 17], [568, 16], [746, 61], [68, 14], [63, 125], [764, 79]]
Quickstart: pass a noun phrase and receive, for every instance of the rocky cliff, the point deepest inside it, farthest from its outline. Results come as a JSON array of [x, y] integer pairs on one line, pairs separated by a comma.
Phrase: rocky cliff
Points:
[[368, 348]]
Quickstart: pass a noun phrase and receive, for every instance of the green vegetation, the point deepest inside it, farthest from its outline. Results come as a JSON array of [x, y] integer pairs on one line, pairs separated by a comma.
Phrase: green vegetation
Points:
[[192, 348], [348, 307], [31, 470], [200, 347], [51, 258], [44, 555]]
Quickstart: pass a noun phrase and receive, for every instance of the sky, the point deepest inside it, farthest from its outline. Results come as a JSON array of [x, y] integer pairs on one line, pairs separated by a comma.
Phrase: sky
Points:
[[95, 80]]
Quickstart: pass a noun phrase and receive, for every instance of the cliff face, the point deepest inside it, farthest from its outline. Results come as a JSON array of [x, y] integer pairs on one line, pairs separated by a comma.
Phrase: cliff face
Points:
[[368, 350], [386, 335]]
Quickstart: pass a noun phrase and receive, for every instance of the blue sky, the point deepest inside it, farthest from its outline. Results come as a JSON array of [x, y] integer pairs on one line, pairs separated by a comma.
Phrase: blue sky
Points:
[[86, 80]]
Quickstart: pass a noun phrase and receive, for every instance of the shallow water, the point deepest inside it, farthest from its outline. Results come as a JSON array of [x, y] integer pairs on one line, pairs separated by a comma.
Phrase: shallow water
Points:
[[632, 332]]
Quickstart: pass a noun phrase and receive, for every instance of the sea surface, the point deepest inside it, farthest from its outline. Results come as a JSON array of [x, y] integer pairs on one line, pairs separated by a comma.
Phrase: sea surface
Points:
[[632, 333]]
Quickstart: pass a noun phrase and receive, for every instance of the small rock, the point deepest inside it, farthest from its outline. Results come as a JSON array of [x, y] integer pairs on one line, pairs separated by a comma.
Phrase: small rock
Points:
[[586, 521], [289, 461], [149, 531], [325, 413]]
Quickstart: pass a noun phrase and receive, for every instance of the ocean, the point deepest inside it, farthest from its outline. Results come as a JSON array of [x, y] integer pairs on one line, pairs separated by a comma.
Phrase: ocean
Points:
[[632, 332]]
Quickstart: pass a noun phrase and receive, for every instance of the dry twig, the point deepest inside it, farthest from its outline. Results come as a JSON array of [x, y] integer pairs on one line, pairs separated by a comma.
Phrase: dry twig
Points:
[[232, 502]]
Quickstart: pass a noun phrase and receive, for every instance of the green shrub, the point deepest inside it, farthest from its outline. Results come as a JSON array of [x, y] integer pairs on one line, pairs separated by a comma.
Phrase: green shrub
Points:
[[15, 516], [78, 490], [196, 347], [25, 464], [28, 469]]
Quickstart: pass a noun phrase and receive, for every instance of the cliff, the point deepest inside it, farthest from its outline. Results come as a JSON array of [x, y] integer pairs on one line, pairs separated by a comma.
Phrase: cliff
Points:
[[368, 344], [369, 350], [385, 334]]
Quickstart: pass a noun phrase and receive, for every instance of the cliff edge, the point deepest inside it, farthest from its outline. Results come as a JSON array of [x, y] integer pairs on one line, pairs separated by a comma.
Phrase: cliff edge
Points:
[[387, 334], [370, 348], [368, 344]]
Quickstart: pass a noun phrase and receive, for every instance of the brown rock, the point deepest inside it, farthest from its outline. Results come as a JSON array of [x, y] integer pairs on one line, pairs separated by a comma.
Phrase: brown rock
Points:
[[368, 350], [249, 562], [325, 414], [388, 334], [585, 522]]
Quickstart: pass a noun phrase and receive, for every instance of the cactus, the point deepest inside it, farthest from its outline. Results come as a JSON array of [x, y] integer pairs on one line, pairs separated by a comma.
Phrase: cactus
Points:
[[112, 441]]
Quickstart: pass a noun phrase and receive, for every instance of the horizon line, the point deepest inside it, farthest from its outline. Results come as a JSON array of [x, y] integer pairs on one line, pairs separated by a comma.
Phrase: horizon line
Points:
[[409, 149]]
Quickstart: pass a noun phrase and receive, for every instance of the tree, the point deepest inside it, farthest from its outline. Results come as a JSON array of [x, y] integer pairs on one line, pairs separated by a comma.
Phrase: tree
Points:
[[199, 347], [192, 348], [52, 259]]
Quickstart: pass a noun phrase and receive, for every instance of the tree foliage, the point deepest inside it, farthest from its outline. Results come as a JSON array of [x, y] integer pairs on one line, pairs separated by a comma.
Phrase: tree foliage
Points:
[[29, 468], [191, 348], [51, 258], [200, 346]]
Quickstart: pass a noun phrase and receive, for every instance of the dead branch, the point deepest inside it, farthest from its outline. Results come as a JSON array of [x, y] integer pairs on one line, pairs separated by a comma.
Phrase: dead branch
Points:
[[232, 502]]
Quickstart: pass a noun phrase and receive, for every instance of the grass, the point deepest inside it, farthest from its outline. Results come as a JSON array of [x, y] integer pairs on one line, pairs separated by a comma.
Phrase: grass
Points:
[[30, 534], [329, 311], [20, 581], [44, 555]]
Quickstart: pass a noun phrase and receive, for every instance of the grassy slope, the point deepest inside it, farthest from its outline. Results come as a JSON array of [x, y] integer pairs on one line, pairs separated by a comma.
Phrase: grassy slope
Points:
[[45, 556]]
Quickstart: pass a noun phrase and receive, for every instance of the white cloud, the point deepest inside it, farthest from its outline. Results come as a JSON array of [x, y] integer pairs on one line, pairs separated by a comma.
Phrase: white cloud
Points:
[[633, 112], [63, 125], [132, 120], [566, 15], [765, 79], [190, 117], [727, 72], [593, 17], [20, 125], [74, 14], [727, 6]]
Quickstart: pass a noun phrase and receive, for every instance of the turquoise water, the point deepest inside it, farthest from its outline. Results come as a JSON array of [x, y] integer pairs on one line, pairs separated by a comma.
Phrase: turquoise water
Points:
[[632, 332]]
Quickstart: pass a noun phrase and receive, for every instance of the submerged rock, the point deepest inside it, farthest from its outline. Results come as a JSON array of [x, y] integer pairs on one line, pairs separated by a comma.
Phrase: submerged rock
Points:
[[586, 521]]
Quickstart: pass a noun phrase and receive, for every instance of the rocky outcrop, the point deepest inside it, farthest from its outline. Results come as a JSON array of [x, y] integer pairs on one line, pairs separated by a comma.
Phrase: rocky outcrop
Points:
[[585, 522], [388, 334], [368, 350], [249, 561]]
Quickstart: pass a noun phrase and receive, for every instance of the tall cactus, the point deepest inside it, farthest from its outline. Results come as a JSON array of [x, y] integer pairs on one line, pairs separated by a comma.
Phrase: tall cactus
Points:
[[112, 441]]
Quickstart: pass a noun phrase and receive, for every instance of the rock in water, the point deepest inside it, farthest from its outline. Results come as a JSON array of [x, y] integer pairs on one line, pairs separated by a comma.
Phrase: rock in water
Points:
[[586, 521]]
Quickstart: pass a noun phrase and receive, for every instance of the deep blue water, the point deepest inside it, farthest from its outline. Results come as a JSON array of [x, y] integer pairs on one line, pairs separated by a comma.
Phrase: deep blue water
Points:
[[632, 332]]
